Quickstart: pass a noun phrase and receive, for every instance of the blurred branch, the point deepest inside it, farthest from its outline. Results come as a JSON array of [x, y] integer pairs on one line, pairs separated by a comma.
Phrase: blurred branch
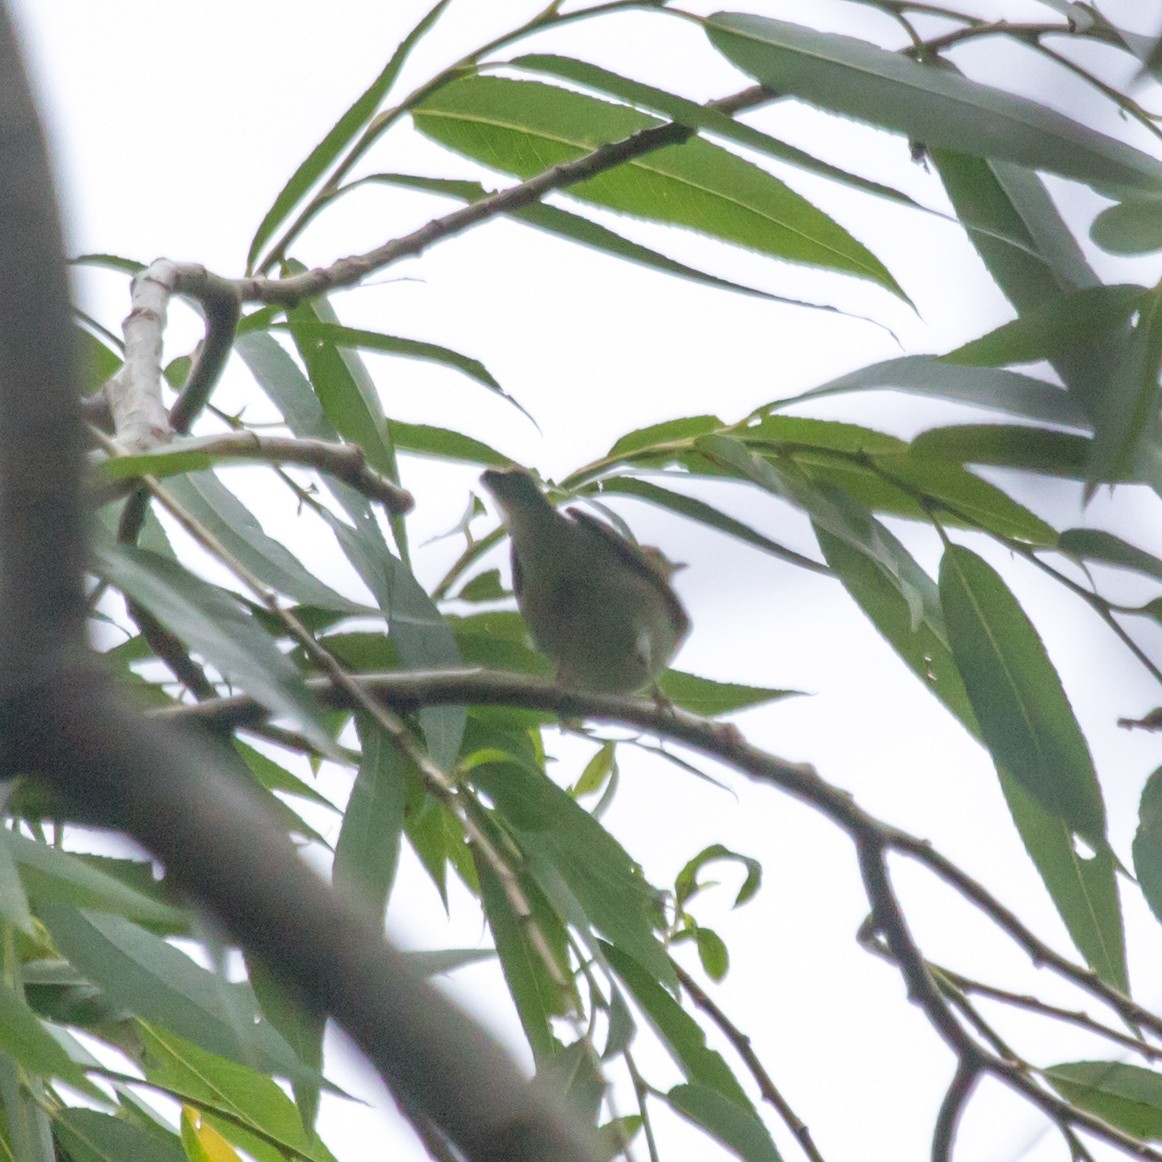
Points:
[[59, 718]]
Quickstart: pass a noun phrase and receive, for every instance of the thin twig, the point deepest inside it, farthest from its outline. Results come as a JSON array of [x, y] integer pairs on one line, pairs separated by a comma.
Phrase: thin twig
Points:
[[745, 1050]]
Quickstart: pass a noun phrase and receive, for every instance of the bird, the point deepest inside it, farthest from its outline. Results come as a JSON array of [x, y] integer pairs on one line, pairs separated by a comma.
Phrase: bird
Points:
[[599, 605]]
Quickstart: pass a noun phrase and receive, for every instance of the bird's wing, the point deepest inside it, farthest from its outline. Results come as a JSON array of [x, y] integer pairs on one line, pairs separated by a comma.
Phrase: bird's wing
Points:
[[632, 556]]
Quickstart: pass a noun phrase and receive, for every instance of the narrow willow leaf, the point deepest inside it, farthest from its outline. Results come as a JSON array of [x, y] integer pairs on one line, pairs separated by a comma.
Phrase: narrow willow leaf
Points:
[[523, 128], [257, 1103], [1008, 446], [151, 978], [1098, 545], [1009, 195], [13, 898], [91, 1136], [1126, 1096], [408, 348], [218, 510], [27, 1041], [28, 1136], [709, 698], [51, 875], [561, 839], [214, 623], [343, 386], [302, 1031], [562, 224], [701, 512], [537, 997], [682, 1036], [1017, 697], [740, 1131], [702, 117], [343, 132], [903, 604], [423, 637], [940, 378], [444, 444], [1125, 414], [367, 851], [1064, 324], [1148, 843], [201, 1142], [927, 102]]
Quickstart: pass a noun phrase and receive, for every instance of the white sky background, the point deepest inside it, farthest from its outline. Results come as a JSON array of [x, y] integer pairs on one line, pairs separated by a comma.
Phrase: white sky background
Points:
[[174, 126]]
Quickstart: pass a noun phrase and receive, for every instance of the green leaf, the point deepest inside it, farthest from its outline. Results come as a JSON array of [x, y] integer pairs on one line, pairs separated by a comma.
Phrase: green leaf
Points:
[[1098, 545], [710, 698], [701, 512], [538, 998], [705, 118], [367, 852], [682, 1036], [28, 1136], [218, 510], [213, 622], [1065, 324], [91, 1136], [687, 886], [1008, 446], [1148, 843], [1131, 227], [409, 348], [903, 604], [151, 978], [27, 1041], [524, 128], [668, 432], [1014, 202], [740, 1131], [712, 953], [208, 1081], [598, 770], [928, 102], [986, 387], [1017, 697], [484, 586], [1125, 414], [13, 898], [1126, 1096], [345, 389], [51, 875], [342, 133], [563, 840], [425, 440], [423, 637], [560, 223]]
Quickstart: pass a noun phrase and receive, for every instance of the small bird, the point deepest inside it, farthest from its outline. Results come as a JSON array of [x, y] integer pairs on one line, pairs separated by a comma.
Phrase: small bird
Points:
[[601, 607]]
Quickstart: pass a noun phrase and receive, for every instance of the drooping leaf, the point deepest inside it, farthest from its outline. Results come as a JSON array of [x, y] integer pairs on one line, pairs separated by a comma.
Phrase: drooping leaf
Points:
[[682, 1036], [927, 102], [687, 884], [367, 851], [355, 118], [523, 127], [903, 604], [1126, 1096], [149, 977], [740, 1131], [92, 1136], [265, 1124], [1017, 697], [215, 624], [986, 387], [1008, 446]]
